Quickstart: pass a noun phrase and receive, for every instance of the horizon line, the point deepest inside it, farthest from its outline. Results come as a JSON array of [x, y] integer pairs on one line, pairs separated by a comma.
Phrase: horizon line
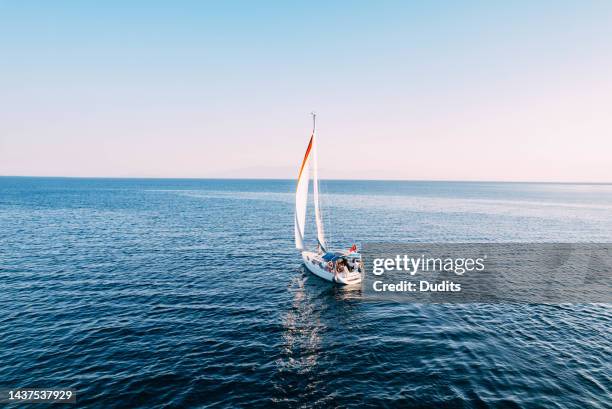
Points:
[[326, 179]]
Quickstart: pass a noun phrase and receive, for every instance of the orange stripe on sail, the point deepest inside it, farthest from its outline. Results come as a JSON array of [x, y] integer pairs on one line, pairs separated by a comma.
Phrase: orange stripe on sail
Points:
[[305, 157]]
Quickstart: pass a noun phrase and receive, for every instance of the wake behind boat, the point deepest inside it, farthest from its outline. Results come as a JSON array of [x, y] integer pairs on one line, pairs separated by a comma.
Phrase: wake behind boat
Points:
[[342, 267]]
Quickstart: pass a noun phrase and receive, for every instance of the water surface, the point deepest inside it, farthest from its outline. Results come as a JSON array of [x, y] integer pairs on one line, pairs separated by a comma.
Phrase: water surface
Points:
[[189, 293]]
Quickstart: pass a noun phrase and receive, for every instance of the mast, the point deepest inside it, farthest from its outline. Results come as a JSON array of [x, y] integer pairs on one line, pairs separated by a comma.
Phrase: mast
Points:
[[315, 186]]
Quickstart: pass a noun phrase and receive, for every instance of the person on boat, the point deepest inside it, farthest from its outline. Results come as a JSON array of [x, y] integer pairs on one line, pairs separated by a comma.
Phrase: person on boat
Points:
[[334, 268]]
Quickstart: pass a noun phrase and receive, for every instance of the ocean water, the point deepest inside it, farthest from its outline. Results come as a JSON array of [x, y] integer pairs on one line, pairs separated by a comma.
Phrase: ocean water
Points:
[[189, 293]]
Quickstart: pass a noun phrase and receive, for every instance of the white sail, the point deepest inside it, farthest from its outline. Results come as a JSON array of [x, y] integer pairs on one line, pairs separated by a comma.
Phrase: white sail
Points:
[[301, 198], [315, 187]]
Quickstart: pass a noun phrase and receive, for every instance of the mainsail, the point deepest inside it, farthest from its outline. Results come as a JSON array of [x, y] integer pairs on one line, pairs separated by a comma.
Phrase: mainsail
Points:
[[315, 187]]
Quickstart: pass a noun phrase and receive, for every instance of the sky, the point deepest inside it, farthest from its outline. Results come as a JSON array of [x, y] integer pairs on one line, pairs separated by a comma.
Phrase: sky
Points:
[[429, 90]]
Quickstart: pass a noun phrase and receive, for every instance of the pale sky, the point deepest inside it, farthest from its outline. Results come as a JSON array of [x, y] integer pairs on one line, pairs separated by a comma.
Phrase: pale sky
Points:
[[509, 91]]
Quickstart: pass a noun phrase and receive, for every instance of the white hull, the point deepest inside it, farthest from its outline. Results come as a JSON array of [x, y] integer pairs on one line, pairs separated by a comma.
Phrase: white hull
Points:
[[313, 263]]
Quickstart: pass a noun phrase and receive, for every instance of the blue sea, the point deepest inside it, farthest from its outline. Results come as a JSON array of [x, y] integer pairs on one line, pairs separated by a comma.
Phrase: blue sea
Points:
[[189, 293]]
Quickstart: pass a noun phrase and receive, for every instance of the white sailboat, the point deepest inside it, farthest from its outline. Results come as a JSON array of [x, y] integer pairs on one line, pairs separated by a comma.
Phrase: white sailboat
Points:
[[342, 267]]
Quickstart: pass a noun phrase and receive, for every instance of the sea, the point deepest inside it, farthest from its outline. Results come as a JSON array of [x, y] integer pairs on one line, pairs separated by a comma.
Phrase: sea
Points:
[[172, 293]]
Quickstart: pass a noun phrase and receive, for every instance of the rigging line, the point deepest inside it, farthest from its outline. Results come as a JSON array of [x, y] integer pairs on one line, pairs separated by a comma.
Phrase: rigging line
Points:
[[323, 214], [326, 216]]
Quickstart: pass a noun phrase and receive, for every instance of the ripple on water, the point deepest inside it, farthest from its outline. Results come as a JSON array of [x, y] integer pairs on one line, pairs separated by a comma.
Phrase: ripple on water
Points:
[[190, 294]]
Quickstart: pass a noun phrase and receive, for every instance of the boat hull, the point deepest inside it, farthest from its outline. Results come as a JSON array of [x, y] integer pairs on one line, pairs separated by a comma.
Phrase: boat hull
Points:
[[314, 263]]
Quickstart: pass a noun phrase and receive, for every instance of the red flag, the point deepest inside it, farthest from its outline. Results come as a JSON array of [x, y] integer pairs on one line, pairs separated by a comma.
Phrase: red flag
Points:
[[353, 249]]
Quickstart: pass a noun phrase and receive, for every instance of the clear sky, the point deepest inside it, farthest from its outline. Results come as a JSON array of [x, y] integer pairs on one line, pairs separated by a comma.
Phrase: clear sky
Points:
[[404, 90]]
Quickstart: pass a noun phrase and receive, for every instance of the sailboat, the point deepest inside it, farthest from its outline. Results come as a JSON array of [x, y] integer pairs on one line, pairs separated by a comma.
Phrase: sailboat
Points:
[[342, 267]]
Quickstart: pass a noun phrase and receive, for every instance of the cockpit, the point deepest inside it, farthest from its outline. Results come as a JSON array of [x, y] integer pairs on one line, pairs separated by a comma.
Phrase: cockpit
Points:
[[343, 262]]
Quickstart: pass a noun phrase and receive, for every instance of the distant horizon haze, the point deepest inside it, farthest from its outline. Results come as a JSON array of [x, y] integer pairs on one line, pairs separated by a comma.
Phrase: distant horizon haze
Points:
[[321, 179]]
